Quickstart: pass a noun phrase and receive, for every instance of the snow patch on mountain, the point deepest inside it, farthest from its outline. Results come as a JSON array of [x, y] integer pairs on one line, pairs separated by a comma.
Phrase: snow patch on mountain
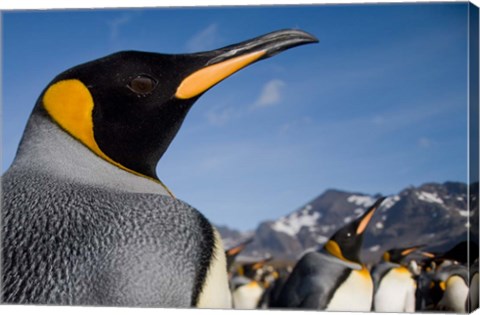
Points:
[[347, 220], [379, 225], [364, 201], [321, 239], [327, 228], [359, 211], [390, 202], [429, 197], [292, 223]]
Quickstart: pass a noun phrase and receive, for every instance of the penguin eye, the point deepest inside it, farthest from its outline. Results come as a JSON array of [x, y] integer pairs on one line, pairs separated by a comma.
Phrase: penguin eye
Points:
[[142, 85]]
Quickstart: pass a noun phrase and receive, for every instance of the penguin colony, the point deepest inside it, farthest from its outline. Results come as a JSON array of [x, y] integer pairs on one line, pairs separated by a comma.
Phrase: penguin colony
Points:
[[333, 278], [86, 220]]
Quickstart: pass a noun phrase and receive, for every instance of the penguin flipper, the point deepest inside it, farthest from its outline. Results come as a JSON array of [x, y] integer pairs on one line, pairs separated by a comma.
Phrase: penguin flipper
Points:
[[313, 301], [307, 286]]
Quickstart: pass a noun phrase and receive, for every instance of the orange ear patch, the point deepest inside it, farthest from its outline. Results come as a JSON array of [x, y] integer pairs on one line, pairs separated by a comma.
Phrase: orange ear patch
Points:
[[333, 248], [70, 104]]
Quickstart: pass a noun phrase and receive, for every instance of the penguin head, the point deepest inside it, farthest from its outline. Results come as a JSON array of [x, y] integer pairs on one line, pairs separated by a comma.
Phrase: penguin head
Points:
[[464, 252], [396, 255], [346, 243], [127, 107], [444, 277], [253, 270], [233, 252]]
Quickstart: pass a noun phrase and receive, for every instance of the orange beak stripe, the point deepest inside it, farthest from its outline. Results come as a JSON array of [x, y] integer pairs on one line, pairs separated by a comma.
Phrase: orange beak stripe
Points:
[[203, 79], [408, 251], [363, 224]]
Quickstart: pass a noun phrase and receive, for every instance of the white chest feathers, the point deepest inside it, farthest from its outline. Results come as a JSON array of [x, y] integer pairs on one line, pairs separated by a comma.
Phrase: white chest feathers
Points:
[[247, 296], [455, 295], [354, 294], [215, 292], [396, 292]]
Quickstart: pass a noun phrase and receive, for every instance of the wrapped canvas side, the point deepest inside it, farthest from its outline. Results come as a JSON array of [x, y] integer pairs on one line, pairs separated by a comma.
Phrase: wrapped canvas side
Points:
[[473, 52]]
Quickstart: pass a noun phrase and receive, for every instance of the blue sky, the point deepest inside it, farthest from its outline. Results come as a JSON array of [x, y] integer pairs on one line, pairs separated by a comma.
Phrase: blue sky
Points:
[[378, 105]]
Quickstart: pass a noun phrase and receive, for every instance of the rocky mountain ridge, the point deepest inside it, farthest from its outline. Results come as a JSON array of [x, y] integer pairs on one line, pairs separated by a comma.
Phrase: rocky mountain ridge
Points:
[[432, 214]]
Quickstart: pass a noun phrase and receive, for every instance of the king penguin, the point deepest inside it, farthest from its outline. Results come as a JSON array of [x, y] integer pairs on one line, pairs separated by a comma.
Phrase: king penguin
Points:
[[394, 284], [473, 290], [247, 287], [334, 278], [451, 288], [233, 252], [85, 219]]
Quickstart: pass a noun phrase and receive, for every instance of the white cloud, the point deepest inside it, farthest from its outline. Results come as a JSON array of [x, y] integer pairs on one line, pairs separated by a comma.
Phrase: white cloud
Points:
[[271, 94], [203, 40], [219, 116]]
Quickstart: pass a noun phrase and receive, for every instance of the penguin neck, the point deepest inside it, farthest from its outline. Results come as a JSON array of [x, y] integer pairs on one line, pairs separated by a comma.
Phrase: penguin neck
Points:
[[46, 148], [333, 259]]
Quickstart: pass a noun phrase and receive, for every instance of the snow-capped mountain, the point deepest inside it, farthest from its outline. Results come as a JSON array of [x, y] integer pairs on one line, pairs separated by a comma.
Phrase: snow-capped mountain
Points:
[[231, 237], [433, 214]]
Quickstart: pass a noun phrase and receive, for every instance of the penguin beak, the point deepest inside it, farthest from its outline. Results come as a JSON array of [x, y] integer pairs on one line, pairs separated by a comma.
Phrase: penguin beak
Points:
[[237, 249], [427, 254], [228, 60], [261, 263], [410, 250], [367, 216]]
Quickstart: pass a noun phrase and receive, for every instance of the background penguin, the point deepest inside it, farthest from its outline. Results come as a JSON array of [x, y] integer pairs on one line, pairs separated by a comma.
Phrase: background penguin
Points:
[[452, 283], [464, 253], [473, 291], [233, 252], [432, 284], [334, 278], [247, 285], [85, 219], [275, 280], [394, 283]]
